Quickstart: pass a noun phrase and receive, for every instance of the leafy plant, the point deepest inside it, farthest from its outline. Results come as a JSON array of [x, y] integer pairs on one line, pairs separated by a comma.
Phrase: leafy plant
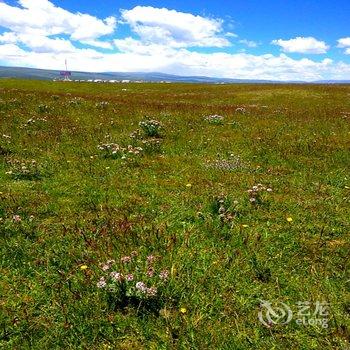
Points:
[[215, 119], [24, 169], [151, 127], [134, 281]]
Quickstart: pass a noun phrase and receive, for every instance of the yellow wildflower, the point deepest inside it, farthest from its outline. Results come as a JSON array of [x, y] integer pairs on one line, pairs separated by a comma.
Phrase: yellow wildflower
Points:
[[83, 267]]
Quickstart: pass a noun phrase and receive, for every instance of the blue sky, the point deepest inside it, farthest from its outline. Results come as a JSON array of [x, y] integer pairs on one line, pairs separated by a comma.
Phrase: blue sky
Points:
[[285, 40]]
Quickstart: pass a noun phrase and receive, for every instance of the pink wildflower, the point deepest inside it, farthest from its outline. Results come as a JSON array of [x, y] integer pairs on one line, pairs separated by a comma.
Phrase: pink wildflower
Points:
[[164, 275], [116, 276], [101, 283], [16, 218], [130, 277], [125, 259]]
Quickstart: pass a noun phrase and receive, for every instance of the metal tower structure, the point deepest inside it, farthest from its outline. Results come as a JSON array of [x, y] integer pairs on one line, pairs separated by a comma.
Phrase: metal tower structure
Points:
[[66, 74]]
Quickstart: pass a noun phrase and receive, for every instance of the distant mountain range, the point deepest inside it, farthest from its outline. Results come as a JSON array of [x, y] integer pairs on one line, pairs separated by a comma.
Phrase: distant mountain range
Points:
[[46, 74]]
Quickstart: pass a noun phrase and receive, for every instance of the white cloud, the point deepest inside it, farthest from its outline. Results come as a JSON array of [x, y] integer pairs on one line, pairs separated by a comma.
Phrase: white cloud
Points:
[[173, 28], [307, 45], [248, 43], [344, 42], [42, 18], [231, 35], [40, 34], [8, 38], [138, 57], [130, 45], [38, 43]]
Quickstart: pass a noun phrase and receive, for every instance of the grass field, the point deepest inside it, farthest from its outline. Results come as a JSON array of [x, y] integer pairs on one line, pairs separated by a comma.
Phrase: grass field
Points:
[[73, 196]]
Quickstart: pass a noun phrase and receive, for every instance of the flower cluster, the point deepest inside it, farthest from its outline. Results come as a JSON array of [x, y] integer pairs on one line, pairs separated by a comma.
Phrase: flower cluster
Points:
[[133, 278], [32, 121], [152, 145], [151, 127], [24, 169], [136, 135], [6, 137], [75, 101], [148, 136], [215, 119], [5, 141], [102, 104], [255, 193], [225, 215], [113, 150], [42, 108], [233, 163]]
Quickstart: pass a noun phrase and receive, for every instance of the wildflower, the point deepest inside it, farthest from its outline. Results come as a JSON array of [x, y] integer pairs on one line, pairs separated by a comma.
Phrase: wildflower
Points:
[[233, 163], [151, 128], [222, 209], [245, 226], [164, 275], [151, 258], [116, 276], [255, 193], [183, 310], [105, 267], [189, 185], [130, 277], [141, 287], [125, 259], [150, 272], [289, 219], [214, 119], [151, 291], [136, 134], [16, 218], [83, 267], [101, 283]]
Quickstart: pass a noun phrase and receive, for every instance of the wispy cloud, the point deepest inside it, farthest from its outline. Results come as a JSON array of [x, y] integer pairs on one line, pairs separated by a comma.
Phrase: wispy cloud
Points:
[[249, 43]]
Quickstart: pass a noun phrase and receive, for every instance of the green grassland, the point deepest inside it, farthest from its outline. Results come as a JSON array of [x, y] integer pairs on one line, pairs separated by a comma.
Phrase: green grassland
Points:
[[76, 207]]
